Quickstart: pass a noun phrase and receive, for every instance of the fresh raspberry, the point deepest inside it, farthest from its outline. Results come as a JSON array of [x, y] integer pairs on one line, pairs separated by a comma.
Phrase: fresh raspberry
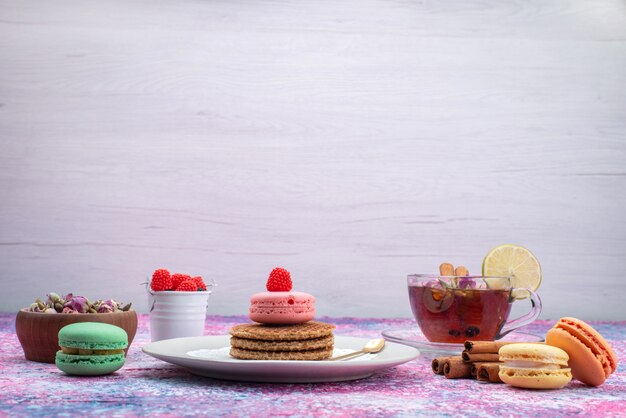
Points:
[[279, 280], [199, 282], [161, 280], [178, 278], [187, 286]]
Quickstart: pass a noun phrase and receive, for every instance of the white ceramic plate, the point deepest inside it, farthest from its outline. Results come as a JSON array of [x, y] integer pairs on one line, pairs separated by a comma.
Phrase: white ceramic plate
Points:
[[413, 337], [221, 366]]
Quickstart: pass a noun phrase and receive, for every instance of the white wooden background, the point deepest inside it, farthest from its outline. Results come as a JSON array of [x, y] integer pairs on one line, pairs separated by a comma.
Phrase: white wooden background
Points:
[[351, 142]]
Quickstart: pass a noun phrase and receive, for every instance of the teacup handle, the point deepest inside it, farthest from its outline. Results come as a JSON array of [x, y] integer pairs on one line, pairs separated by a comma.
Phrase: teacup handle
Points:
[[514, 324]]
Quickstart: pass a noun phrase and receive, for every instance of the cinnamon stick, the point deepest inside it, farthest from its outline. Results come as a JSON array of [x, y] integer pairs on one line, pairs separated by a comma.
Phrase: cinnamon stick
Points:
[[456, 368], [438, 363], [472, 357], [446, 269], [484, 346], [461, 271], [474, 369], [488, 372]]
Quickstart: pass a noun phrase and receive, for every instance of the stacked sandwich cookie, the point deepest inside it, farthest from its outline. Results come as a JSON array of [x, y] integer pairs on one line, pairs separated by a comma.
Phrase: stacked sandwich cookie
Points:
[[534, 366], [308, 341], [284, 328], [590, 356], [91, 348]]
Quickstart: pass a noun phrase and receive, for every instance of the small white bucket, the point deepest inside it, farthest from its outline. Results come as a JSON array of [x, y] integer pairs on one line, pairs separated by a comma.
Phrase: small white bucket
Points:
[[177, 314]]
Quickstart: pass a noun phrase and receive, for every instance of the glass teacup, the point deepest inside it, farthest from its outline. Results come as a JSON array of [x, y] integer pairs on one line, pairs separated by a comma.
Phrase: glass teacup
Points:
[[453, 309]]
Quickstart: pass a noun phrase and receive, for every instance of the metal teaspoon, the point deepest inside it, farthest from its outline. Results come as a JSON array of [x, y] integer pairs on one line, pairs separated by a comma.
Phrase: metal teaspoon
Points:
[[372, 346]]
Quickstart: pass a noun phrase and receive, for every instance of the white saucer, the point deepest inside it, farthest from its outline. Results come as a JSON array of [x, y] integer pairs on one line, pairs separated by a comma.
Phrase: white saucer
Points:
[[413, 337], [205, 356]]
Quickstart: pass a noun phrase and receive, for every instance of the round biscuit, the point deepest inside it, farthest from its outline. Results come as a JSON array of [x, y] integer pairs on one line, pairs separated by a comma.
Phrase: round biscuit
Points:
[[533, 352], [305, 331], [585, 365], [535, 378], [296, 345], [322, 354]]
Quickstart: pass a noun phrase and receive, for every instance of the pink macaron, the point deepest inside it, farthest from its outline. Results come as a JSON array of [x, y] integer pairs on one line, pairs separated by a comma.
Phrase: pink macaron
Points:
[[282, 307]]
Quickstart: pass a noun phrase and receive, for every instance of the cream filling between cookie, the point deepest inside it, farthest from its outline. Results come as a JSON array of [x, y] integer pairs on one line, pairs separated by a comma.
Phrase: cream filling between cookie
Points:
[[520, 364], [88, 352]]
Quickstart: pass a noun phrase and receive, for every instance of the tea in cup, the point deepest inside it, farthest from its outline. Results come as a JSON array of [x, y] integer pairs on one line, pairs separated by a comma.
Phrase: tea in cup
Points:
[[453, 309]]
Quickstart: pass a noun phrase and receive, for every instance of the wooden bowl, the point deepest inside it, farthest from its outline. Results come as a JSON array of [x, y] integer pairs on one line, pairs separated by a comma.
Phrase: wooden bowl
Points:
[[38, 332]]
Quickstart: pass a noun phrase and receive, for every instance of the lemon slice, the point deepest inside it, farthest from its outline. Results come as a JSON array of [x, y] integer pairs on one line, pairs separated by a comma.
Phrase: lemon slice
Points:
[[515, 262]]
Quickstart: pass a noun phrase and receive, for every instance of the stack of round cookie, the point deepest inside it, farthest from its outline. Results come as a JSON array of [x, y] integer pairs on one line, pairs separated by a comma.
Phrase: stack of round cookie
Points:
[[285, 329], [308, 341]]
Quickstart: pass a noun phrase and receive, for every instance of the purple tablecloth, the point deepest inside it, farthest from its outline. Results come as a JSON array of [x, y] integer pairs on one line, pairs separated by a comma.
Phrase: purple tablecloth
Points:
[[147, 386]]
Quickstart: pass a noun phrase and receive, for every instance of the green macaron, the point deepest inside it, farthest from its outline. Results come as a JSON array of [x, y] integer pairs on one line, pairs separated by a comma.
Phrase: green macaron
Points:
[[91, 348]]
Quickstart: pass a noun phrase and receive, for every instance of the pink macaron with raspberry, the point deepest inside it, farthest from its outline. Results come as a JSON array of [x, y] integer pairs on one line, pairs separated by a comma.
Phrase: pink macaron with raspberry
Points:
[[280, 305]]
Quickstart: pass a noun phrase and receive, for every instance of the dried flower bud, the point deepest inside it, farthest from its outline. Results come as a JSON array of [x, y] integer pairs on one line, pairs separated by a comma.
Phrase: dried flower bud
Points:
[[80, 304], [68, 297], [53, 298], [50, 310], [467, 283], [34, 307], [40, 304], [127, 307], [69, 310], [107, 306], [58, 307]]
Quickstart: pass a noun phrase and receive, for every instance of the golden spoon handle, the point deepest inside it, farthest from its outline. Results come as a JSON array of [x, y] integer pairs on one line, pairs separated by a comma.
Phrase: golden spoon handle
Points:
[[345, 356]]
